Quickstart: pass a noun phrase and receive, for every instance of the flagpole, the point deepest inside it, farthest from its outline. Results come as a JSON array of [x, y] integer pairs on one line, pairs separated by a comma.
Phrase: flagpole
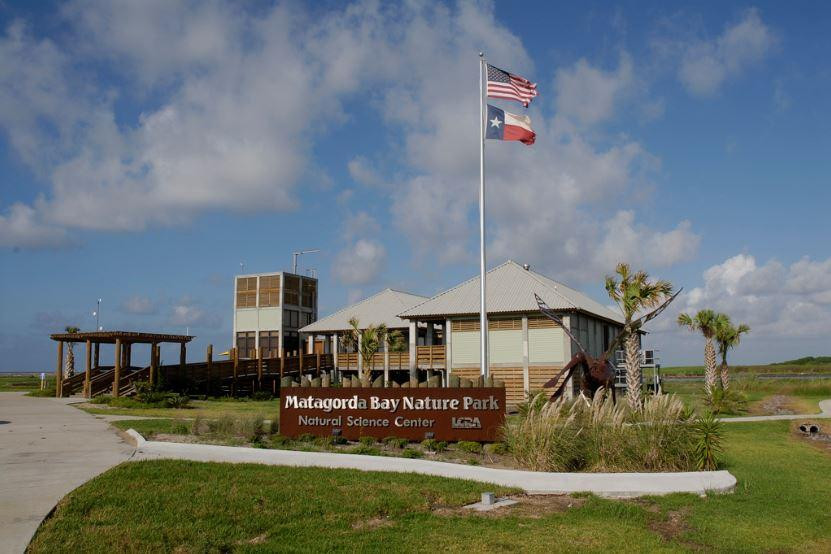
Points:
[[483, 313]]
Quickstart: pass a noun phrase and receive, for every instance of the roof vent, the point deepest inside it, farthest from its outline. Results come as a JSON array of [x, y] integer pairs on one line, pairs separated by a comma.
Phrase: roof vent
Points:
[[526, 267]]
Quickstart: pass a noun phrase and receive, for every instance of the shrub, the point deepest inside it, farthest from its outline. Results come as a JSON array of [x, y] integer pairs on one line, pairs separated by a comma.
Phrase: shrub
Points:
[[596, 435], [252, 428], [395, 442], [411, 453], [306, 437], [198, 426], [367, 441], [433, 445], [708, 437], [262, 395], [103, 399], [726, 401], [365, 450], [174, 400], [469, 446], [223, 425], [180, 427], [279, 440], [496, 449]]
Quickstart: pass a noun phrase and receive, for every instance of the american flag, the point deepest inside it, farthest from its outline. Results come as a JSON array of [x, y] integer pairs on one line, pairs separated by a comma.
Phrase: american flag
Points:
[[502, 84]]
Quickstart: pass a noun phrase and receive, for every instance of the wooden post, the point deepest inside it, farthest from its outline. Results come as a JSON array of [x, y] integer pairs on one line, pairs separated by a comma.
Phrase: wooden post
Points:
[[128, 355], [235, 357], [59, 371], [88, 368], [117, 369], [282, 363], [154, 365], [182, 357], [317, 357], [209, 359], [95, 355], [300, 362], [260, 368]]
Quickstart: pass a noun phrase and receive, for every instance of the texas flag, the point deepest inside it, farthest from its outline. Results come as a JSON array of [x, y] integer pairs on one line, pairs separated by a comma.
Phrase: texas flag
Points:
[[502, 125]]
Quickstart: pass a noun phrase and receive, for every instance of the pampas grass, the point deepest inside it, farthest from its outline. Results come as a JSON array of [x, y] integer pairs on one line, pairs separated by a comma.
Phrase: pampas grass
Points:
[[596, 435]]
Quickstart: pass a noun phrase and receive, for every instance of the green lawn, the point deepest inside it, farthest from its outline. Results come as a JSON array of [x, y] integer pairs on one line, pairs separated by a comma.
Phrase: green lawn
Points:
[[202, 408], [781, 505], [751, 369], [21, 382]]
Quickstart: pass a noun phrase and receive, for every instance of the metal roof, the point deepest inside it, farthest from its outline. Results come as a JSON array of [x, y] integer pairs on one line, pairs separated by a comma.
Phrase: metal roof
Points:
[[124, 336], [510, 289], [383, 307]]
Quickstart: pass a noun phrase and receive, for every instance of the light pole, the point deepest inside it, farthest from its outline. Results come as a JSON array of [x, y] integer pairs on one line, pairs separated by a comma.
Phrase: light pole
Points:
[[97, 314], [296, 255]]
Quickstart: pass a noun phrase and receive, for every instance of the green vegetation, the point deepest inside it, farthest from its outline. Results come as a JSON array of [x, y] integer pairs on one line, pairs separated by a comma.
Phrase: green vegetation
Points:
[[783, 367], [780, 505], [807, 360], [575, 435], [149, 428], [212, 408], [23, 383]]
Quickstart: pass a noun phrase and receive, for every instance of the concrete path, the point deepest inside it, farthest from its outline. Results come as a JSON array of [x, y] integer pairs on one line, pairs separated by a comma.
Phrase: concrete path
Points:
[[47, 449], [824, 408], [613, 485]]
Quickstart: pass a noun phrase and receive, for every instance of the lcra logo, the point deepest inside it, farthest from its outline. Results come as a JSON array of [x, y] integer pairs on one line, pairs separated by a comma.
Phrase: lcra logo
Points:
[[465, 423]]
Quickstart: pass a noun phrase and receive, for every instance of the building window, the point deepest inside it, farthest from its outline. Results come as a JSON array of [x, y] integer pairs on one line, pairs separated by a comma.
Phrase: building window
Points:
[[291, 294], [291, 318], [269, 291], [246, 344], [270, 343], [306, 318], [246, 292], [309, 293]]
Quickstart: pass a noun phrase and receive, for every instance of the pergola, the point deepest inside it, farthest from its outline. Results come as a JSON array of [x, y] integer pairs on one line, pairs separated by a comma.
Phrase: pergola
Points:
[[123, 341]]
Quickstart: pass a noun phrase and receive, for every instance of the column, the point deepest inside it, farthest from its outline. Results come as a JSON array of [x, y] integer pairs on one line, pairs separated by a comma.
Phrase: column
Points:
[[386, 361], [413, 339], [59, 371], [117, 369], [448, 351], [311, 347], [569, 388], [526, 376], [88, 369], [95, 355], [182, 357], [335, 351]]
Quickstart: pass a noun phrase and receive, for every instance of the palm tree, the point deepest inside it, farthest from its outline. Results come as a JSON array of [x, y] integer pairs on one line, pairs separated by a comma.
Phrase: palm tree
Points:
[[727, 336], [634, 292], [70, 353], [368, 341], [706, 322]]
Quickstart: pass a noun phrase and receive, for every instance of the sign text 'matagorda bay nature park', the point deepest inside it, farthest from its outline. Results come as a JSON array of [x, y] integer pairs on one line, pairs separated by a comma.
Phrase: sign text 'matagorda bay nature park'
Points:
[[474, 414]]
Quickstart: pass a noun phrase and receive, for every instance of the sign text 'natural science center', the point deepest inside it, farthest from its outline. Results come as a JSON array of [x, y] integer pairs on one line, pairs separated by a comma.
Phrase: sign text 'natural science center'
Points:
[[443, 414]]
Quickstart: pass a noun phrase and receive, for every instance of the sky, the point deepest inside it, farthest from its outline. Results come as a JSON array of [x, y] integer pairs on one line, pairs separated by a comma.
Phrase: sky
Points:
[[148, 149]]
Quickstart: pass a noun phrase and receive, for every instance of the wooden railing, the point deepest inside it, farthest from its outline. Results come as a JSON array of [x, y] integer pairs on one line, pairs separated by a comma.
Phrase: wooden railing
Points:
[[430, 357]]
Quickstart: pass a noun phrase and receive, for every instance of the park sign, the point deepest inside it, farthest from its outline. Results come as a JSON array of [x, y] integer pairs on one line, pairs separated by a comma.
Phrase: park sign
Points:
[[448, 414]]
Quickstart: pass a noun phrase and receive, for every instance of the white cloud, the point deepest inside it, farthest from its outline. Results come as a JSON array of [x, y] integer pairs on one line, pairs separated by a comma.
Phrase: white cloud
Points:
[[187, 313], [707, 64], [360, 224], [362, 172], [139, 305], [361, 262], [20, 228], [588, 93]]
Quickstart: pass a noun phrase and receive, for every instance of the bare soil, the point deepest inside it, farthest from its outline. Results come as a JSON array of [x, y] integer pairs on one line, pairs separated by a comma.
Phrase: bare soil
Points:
[[778, 404]]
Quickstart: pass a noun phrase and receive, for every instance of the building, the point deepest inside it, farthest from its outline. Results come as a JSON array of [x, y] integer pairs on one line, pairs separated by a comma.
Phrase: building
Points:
[[526, 349], [269, 310]]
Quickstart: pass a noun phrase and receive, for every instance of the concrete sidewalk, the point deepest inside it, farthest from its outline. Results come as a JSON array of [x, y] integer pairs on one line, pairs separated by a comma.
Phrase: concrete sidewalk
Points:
[[47, 449], [612, 485]]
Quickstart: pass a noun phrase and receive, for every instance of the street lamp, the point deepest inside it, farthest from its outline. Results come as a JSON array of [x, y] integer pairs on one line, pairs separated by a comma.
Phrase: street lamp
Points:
[[296, 255], [97, 314]]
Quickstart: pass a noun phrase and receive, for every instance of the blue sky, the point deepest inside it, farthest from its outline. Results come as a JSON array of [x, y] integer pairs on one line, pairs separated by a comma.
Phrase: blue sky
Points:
[[147, 149]]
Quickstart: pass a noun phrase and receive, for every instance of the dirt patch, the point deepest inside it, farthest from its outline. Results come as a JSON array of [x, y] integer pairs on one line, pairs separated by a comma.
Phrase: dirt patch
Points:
[[778, 404], [673, 526], [527, 506], [372, 523], [259, 539]]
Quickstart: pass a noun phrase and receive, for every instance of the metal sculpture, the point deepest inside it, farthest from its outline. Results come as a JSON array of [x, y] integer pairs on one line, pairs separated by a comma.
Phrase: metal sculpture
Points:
[[595, 372]]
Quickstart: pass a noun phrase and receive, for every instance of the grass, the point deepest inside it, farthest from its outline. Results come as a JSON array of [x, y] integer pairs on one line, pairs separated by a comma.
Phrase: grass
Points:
[[795, 366], [780, 505], [9, 383], [152, 427], [211, 408]]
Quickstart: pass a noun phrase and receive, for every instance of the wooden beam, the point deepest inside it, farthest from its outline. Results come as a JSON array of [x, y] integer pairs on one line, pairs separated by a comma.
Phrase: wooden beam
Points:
[[59, 371], [88, 369], [117, 369]]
